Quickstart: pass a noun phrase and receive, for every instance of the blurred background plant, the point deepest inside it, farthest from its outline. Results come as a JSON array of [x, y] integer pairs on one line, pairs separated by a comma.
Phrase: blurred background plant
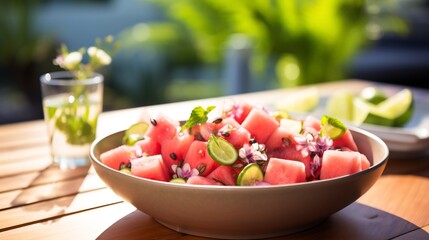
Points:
[[188, 49]]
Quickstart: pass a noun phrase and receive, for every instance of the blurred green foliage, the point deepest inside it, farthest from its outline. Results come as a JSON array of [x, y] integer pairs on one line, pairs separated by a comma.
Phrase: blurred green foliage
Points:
[[317, 37]]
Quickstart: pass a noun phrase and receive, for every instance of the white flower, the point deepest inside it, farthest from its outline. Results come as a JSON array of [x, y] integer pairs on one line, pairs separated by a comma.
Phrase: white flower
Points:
[[71, 60], [99, 55]]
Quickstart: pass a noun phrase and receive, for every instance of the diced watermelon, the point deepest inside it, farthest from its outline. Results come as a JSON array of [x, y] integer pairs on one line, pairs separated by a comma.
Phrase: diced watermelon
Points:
[[346, 140], [364, 162], [150, 167], [312, 122], [161, 128], [174, 150], [198, 158], [282, 171], [290, 153], [149, 146], [224, 175], [260, 125], [233, 132], [200, 180], [280, 138], [340, 163], [239, 111], [120, 155]]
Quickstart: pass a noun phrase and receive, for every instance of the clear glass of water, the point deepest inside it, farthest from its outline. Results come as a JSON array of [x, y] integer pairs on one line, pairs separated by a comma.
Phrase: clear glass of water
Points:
[[71, 108]]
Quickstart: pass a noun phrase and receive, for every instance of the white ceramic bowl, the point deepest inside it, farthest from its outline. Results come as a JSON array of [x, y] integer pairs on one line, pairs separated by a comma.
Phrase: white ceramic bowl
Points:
[[242, 212]]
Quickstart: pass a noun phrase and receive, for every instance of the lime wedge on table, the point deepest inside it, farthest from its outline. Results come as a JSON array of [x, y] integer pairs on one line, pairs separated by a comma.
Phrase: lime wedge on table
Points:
[[372, 95], [249, 175], [221, 150], [301, 101], [399, 107], [332, 127], [135, 133], [340, 105]]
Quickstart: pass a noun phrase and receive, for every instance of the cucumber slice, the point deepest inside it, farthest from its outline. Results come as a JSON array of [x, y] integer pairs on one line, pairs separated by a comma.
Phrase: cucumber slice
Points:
[[221, 150], [249, 175]]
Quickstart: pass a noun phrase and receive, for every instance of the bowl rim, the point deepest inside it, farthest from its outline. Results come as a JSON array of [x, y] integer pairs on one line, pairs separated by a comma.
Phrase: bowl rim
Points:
[[373, 167]]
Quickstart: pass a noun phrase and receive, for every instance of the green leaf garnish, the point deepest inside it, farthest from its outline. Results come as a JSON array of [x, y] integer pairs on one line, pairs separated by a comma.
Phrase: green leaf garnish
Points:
[[198, 116]]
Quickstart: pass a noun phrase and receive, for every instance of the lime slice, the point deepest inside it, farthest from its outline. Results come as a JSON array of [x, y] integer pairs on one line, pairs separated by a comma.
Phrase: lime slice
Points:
[[332, 127], [340, 105], [249, 175], [366, 112], [178, 180], [399, 107], [300, 101], [372, 95], [135, 133], [221, 150]]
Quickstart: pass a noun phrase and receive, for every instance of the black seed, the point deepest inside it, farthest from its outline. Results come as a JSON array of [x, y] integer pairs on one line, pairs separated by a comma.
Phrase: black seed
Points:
[[252, 141], [226, 134], [286, 141], [153, 121], [201, 168], [217, 121], [173, 156]]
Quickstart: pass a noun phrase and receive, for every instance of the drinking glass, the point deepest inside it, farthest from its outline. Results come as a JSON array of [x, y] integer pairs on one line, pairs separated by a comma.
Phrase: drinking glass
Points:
[[71, 108]]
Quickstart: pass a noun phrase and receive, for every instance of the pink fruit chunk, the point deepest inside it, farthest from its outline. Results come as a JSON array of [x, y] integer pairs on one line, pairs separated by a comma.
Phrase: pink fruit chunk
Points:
[[260, 125], [312, 122], [239, 111], [162, 128], [280, 138], [200, 180], [150, 167], [346, 140], [224, 175], [120, 155], [233, 132], [174, 150], [198, 158], [290, 153], [283, 171], [340, 163], [149, 146]]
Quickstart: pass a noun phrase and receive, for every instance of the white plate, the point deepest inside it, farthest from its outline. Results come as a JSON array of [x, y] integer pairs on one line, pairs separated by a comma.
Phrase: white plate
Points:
[[412, 138]]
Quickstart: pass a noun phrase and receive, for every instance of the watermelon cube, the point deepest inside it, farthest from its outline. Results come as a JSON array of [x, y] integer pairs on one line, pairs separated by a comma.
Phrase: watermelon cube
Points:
[[123, 154], [260, 124], [345, 141], [224, 175], [280, 138], [150, 167], [149, 146], [162, 128], [239, 111], [283, 171], [174, 150], [233, 132], [340, 163], [198, 158], [312, 122]]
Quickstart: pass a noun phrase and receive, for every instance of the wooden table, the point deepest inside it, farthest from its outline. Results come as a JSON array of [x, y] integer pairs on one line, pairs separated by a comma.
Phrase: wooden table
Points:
[[40, 201]]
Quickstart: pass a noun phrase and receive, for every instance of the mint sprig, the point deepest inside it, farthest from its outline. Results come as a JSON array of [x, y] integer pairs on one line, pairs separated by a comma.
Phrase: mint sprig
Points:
[[199, 115]]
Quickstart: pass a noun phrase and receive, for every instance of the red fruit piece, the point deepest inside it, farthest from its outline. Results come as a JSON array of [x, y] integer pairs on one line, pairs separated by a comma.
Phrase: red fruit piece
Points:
[[198, 158], [174, 150], [162, 128], [260, 125], [282, 171], [151, 167]]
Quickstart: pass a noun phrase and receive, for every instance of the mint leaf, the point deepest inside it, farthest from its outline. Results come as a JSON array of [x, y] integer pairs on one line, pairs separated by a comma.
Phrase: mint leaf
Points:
[[198, 116]]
